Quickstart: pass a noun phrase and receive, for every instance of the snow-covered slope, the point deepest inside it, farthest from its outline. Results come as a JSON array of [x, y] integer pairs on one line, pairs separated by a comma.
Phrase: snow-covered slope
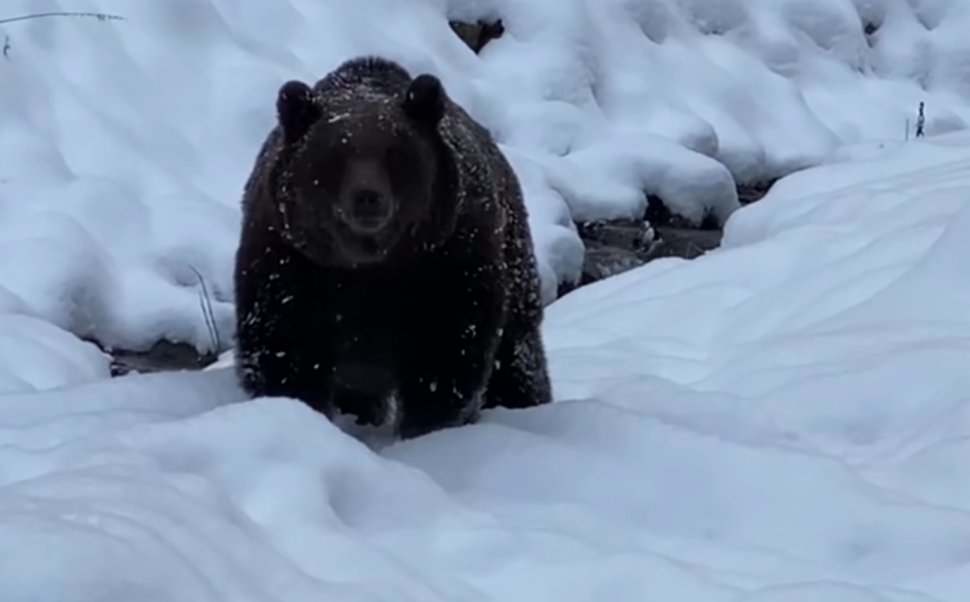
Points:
[[125, 144], [782, 420]]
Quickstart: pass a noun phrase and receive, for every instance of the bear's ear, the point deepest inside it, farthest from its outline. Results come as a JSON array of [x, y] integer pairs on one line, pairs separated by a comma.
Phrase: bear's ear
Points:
[[296, 110], [425, 100]]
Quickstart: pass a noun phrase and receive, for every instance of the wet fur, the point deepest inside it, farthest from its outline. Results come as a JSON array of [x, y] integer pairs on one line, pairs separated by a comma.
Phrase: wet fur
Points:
[[448, 321]]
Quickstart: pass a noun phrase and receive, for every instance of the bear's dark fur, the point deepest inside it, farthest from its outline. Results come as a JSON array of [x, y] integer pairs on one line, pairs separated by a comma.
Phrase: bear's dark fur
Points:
[[385, 253]]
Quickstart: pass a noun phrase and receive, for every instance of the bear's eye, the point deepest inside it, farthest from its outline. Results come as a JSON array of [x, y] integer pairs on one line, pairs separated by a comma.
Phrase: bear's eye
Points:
[[325, 173], [404, 167], [396, 154]]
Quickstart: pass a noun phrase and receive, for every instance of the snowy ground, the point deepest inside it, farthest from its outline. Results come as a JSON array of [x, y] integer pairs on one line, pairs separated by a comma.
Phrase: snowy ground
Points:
[[783, 420]]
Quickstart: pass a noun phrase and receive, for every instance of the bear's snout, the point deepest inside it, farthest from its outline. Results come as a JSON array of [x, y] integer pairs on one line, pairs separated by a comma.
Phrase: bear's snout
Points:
[[367, 211]]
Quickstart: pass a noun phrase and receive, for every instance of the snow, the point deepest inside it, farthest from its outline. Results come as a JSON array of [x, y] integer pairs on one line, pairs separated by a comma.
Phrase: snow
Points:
[[37, 355], [781, 420]]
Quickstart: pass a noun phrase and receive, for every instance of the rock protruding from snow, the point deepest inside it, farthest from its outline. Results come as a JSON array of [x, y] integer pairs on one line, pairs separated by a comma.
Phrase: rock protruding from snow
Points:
[[476, 35], [617, 245], [613, 247]]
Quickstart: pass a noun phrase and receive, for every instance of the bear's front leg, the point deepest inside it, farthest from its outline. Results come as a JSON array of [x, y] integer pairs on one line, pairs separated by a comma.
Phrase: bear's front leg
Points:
[[520, 378], [281, 350], [447, 356], [280, 362], [276, 370], [362, 390]]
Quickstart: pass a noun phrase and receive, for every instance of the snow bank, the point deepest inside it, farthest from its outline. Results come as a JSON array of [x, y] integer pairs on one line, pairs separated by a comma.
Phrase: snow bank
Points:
[[125, 143], [36, 355], [781, 420]]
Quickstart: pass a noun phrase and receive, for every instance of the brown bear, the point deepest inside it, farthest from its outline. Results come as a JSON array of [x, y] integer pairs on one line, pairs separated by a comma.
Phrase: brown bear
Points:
[[385, 255]]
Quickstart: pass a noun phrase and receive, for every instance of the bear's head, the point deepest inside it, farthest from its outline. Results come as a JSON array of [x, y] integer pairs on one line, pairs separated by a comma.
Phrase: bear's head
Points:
[[359, 175]]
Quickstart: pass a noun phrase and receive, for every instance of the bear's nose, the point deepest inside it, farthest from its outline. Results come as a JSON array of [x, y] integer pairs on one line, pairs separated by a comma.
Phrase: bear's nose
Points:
[[369, 211], [369, 203]]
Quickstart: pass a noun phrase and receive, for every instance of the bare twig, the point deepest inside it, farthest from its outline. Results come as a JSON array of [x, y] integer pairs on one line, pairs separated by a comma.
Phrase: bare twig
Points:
[[920, 121], [98, 16], [207, 313]]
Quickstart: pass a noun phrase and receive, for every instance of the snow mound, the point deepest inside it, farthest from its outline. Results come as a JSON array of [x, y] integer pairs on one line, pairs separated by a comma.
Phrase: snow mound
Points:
[[36, 355], [780, 420], [126, 143]]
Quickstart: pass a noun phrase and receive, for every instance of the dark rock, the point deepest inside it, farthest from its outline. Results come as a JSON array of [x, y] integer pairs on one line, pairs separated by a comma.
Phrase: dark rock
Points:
[[749, 193], [602, 261], [615, 246], [686, 242], [163, 356], [659, 215], [631, 234], [477, 35]]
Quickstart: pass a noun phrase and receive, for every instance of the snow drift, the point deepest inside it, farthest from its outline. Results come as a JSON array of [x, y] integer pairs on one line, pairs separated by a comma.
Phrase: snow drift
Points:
[[782, 420]]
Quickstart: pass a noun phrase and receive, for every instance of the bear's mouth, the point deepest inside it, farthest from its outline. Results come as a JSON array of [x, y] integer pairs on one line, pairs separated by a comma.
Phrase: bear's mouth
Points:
[[363, 249], [363, 225]]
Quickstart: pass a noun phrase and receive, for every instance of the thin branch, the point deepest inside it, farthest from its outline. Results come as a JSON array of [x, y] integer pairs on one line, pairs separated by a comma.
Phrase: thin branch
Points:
[[98, 16], [207, 313]]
